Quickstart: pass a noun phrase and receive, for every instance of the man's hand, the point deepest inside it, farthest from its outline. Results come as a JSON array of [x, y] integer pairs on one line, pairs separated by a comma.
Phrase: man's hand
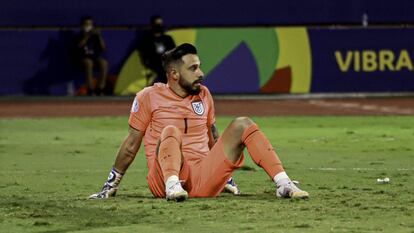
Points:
[[231, 187], [110, 187], [106, 192]]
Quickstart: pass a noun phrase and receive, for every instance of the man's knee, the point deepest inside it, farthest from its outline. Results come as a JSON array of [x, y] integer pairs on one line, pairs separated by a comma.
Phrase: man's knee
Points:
[[240, 124], [103, 64], [171, 131], [87, 63]]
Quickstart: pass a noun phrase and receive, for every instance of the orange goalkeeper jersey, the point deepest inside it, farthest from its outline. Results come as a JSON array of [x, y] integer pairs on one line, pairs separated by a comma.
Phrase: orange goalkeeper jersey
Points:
[[158, 106]]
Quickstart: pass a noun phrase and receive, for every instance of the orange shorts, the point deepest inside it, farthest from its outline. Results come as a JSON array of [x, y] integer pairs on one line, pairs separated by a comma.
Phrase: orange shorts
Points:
[[205, 178]]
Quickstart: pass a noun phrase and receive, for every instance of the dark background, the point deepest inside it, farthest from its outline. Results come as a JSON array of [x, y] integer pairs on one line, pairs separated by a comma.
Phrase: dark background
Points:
[[25, 13]]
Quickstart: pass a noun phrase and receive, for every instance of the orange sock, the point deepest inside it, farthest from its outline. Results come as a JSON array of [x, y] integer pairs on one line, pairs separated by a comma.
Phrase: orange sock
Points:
[[262, 151], [169, 156]]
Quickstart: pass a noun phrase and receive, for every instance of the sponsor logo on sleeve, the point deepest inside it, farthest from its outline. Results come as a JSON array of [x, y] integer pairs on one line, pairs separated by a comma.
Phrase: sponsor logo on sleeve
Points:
[[135, 106]]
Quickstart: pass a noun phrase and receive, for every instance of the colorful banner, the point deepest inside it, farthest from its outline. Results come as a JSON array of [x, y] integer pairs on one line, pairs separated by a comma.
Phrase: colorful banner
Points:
[[362, 60], [301, 60], [242, 60], [256, 60]]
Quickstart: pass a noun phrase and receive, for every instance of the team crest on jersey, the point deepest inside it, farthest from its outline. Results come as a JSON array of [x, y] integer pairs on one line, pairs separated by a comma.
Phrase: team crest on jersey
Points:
[[198, 107]]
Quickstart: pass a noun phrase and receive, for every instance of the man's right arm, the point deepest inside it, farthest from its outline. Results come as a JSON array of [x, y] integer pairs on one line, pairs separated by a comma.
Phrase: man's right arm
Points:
[[83, 39], [139, 120], [126, 155], [128, 150]]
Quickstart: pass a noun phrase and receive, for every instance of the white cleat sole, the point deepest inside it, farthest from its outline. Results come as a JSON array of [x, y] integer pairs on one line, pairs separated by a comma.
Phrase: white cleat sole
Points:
[[300, 195], [231, 189], [178, 197]]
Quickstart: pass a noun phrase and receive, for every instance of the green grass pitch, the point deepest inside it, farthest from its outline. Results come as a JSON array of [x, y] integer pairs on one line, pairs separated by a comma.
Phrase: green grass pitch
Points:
[[48, 168]]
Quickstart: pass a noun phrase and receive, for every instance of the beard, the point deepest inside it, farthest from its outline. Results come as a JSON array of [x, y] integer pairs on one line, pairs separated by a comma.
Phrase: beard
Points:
[[190, 88]]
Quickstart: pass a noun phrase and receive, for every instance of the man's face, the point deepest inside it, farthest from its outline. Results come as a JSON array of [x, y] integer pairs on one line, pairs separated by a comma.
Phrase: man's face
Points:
[[158, 21], [191, 75], [157, 26], [87, 25]]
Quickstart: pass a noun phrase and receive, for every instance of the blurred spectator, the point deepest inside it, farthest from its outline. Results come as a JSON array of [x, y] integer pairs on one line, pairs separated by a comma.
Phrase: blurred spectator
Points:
[[153, 46], [91, 47]]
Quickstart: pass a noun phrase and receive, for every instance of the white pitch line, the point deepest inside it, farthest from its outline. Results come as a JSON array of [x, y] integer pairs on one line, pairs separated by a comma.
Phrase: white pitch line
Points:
[[360, 169], [42, 172]]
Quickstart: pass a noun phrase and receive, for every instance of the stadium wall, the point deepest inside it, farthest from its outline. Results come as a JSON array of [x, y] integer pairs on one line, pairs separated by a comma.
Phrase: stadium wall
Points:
[[179, 13], [235, 60]]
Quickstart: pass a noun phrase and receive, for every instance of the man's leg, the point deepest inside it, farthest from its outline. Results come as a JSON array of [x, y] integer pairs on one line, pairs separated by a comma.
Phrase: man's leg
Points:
[[103, 73], [87, 64], [212, 173], [243, 132], [170, 160]]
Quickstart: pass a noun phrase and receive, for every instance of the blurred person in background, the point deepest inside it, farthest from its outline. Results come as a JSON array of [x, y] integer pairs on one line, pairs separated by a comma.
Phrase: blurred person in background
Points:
[[90, 49], [153, 46]]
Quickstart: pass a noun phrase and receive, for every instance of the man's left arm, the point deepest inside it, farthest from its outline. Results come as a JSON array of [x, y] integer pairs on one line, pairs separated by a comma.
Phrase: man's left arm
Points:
[[213, 135], [102, 43]]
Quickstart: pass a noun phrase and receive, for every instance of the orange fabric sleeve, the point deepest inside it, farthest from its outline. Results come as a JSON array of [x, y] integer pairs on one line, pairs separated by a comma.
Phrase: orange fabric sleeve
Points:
[[140, 115], [211, 118]]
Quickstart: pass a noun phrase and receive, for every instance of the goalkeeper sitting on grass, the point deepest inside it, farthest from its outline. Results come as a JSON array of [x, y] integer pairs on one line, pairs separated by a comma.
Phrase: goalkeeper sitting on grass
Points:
[[185, 155]]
